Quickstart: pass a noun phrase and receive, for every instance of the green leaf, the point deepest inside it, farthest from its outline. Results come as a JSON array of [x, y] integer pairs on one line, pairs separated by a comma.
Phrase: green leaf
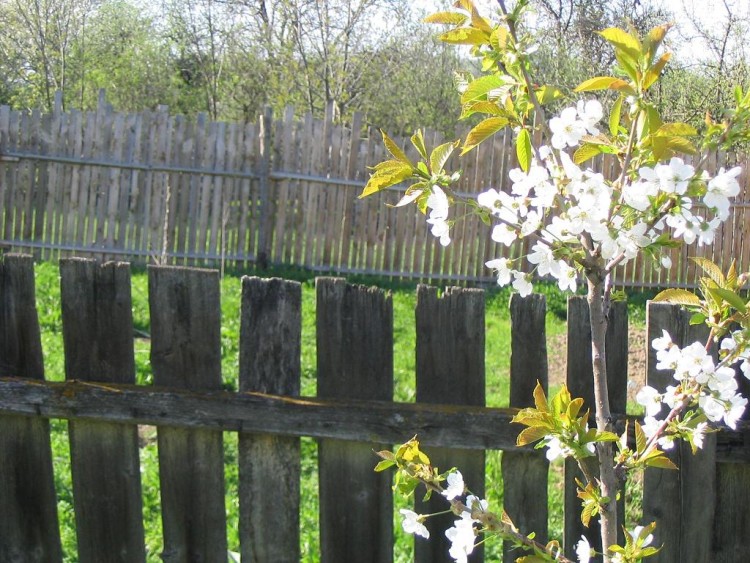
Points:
[[394, 149], [464, 36], [661, 461], [523, 149], [483, 129], [586, 152], [730, 297], [614, 117], [418, 141], [640, 439], [531, 434], [499, 38], [440, 156], [678, 297], [450, 18], [386, 178], [698, 319], [710, 269], [574, 408], [601, 83], [622, 40], [655, 37], [478, 89], [678, 129], [540, 399], [587, 512], [606, 437], [385, 464], [627, 65], [483, 106], [654, 72]]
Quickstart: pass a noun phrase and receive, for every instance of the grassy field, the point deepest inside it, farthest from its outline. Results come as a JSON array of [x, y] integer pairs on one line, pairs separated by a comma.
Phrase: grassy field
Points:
[[497, 362]]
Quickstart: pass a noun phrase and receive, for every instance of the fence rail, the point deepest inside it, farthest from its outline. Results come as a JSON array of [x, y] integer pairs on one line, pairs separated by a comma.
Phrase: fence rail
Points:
[[701, 511], [282, 190]]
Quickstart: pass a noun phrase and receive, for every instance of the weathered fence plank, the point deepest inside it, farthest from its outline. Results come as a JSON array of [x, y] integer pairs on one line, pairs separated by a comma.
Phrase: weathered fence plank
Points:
[[677, 500], [186, 353], [28, 520], [450, 369], [269, 466], [98, 338], [355, 360], [524, 499], [580, 382]]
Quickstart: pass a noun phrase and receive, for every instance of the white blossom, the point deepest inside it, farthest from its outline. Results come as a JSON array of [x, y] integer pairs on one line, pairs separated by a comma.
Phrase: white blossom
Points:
[[461, 535], [567, 129], [500, 265], [649, 398], [583, 550], [522, 284], [412, 523], [455, 486]]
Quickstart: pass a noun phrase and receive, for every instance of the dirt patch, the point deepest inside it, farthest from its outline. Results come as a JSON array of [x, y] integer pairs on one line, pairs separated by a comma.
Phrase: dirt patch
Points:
[[557, 359]]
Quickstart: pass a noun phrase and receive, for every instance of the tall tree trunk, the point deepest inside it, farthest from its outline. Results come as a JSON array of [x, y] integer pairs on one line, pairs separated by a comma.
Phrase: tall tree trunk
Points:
[[597, 300]]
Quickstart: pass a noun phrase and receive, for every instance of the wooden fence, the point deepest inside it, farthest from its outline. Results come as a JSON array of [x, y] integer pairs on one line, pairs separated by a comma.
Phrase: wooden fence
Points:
[[702, 510], [165, 189]]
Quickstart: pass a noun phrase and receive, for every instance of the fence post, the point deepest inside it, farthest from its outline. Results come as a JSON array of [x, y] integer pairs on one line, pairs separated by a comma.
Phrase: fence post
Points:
[[355, 360], [98, 337], [450, 370], [681, 502], [29, 529], [265, 160], [580, 382], [524, 499], [269, 466], [186, 353]]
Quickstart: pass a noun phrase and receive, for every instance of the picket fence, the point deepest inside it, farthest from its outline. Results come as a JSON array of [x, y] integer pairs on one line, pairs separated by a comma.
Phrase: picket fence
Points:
[[702, 510], [158, 188]]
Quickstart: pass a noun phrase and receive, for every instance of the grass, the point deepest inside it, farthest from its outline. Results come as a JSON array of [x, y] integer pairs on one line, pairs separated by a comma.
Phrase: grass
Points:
[[404, 300]]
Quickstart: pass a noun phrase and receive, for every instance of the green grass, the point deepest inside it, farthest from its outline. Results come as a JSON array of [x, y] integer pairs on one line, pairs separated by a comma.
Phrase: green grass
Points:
[[404, 300]]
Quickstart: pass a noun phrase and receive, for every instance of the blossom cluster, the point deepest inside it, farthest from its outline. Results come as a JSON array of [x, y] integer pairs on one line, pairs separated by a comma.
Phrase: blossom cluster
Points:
[[564, 206], [699, 380], [462, 534]]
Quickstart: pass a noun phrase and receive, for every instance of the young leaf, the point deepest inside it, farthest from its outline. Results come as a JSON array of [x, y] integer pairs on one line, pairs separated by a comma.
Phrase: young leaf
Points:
[[679, 129], [614, 117], [586, 152], [730, 297], [440, 156], [464, 36], [417, 139], [622, 40], [600, 83], [523, 149], [386, 178], [661, 461], [394, 149], [478, 89], [653, 73], [385, 464], [483, 129], [711, 269], [531, 434], [540, 399], [450, 18], [678, 297], [640, 439], [499, 38]]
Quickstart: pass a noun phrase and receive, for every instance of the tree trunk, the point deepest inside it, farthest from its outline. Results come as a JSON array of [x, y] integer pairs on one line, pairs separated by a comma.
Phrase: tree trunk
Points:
[[608, 479]]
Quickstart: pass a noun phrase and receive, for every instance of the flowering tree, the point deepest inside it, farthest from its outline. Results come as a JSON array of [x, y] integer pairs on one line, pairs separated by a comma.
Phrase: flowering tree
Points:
[[582, 226]]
